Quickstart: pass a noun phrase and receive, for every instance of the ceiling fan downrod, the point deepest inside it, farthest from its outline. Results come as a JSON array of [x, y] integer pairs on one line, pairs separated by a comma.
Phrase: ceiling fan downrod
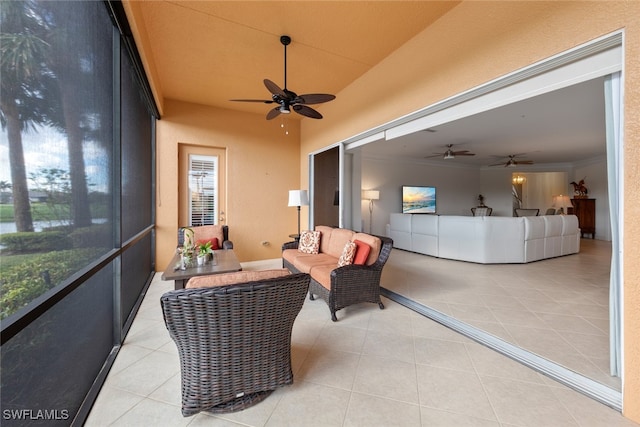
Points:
[[285, 40]]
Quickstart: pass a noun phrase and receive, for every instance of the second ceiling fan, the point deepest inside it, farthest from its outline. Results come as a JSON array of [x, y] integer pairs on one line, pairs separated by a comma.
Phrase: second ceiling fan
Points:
[[287, 99], [450, 154], [512, 162]]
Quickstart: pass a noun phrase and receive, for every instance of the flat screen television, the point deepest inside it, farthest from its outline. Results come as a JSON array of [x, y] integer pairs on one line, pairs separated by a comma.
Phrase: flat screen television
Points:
[[418, 199]]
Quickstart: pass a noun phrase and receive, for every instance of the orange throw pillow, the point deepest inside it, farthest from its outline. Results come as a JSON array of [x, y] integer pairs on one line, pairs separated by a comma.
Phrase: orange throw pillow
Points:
[[214, 243], [362, 252]]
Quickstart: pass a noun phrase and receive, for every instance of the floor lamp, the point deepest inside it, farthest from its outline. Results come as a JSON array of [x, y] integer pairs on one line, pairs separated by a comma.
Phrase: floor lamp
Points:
[[370, 195], [298, 198]]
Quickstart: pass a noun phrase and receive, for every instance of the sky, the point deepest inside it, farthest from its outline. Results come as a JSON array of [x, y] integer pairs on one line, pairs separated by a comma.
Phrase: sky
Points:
[[45, 147]]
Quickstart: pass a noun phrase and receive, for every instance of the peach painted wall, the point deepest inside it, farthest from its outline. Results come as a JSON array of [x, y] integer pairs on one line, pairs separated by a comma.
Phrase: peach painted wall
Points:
[[262, 166], [477, 42]]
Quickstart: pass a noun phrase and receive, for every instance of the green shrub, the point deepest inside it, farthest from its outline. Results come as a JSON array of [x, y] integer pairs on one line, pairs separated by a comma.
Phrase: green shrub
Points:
[[89, 237], [27, 242], [22, 283]]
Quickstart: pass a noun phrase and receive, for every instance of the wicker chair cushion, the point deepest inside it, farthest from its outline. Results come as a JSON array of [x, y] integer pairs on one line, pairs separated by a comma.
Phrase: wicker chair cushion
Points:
[[208, 232], [374, 243], [309, 242], [347, 255], [234, 278]]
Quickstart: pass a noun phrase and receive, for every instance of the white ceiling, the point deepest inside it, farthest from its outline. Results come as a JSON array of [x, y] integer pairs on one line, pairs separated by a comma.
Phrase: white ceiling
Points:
[[208, 52], [564, 126]]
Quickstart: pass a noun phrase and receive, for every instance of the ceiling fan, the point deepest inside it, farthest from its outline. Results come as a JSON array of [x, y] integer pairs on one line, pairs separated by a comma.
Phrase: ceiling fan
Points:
[[287, 99], [450, 154], [512, 162]]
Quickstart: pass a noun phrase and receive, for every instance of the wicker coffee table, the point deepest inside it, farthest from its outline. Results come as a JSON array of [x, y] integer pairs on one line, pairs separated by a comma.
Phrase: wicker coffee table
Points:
[[225, 261]]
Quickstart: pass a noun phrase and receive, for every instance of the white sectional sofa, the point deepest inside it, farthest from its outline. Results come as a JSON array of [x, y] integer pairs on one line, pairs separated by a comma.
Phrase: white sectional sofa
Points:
[[486, 239]]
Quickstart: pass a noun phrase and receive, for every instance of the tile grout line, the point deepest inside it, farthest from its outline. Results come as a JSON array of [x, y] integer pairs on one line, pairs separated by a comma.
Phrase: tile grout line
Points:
[[571, 379]]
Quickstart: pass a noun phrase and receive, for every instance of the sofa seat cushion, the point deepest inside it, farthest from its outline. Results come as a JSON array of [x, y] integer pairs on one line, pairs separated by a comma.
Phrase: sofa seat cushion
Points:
[[374, 242], [305, 263], [290, 255], [235, 278], [322, 274]]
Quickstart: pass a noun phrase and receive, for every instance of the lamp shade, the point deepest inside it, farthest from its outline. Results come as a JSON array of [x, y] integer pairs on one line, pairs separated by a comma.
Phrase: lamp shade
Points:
[[298, 198], [370, 195], [562, 202]]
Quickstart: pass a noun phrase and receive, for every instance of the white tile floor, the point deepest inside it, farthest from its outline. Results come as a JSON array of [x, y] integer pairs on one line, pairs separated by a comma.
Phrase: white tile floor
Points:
[[557, 308], [373, 367]]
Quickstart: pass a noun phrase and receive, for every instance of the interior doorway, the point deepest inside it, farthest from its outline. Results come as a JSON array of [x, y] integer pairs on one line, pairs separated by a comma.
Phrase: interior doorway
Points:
[[325, 203]]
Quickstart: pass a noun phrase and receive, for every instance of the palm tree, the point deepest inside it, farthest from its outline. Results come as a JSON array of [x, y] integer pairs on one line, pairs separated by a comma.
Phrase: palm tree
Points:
[[22, 53], [72, 62]]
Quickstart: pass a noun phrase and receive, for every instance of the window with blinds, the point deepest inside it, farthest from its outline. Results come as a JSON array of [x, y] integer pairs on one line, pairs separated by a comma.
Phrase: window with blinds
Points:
[[203, 190]]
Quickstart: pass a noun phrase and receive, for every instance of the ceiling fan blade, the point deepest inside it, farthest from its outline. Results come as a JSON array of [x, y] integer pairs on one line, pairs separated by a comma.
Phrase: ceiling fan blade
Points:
[[307, 111], [435, 155], [264, 101], [523, 162], [314, 98], [273, 113], [463, 153], [274, 88]]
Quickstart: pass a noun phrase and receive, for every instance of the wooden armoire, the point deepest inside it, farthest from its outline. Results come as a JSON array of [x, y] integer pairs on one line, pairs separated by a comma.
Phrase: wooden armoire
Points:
[[585, 210]]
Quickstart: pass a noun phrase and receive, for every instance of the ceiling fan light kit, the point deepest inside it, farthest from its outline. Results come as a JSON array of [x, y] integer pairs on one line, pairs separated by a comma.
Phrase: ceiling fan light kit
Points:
[[288, 99]]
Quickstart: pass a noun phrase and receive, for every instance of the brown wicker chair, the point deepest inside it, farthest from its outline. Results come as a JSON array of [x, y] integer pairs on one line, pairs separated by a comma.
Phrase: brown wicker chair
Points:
[[234, 341], [350, 284], [225, 244]]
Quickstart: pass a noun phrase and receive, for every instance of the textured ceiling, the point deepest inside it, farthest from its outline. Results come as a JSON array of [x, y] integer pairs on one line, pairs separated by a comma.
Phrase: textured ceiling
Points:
[[208, 52]]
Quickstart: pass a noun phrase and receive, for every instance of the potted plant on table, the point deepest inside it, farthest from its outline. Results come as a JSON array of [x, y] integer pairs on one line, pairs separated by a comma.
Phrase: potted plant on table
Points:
[[187, 251], [205, 251]]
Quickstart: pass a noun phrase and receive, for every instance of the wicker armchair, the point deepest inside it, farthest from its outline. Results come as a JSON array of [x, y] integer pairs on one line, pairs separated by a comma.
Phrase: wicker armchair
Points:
[[224, 244], [350, 284], [234, 341]]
